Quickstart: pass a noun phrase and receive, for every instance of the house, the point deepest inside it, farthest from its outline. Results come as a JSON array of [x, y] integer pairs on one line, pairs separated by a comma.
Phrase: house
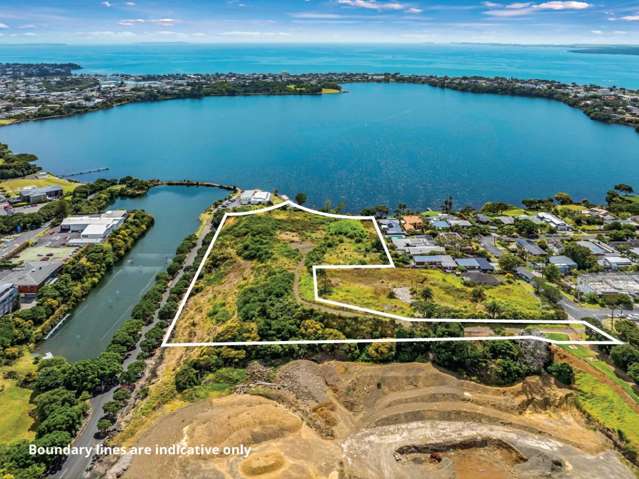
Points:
[[31, 194], [425, 250], [563, 263], [483, 218], [444, 262], [406, 243], [412, 223], [613, 262], [506, 220], [524, 273], [440, 224], [255, 197], [391, 226], [530, 248], [467, 263], [598, 248], [8, 298], [31, 276], [554, 221], [459, 223], [485, 265]]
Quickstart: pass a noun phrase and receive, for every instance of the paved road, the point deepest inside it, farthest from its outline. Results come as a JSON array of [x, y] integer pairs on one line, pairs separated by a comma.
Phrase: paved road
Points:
[[75, 467], [579, 312], [13, 244]]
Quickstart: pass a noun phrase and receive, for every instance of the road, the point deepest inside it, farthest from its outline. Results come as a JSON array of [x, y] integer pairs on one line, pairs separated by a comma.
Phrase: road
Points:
[[75, 467], [15, 243]]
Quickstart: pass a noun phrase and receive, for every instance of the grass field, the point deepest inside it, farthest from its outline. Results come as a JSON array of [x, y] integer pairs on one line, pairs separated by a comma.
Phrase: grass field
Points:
[[13, 186], [602, 403], [373, 289], [15, 421]]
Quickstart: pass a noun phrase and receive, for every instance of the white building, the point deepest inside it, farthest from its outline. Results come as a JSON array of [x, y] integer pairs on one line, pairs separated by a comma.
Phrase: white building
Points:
[[554, 221], [255, 197], [93, 228]]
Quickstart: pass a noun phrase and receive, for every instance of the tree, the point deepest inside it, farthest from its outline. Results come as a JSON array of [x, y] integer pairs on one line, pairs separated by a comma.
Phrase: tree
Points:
[[381, 352], [633, 372], [551, 272], [580, 255], [526, 228], [624, 188], [300, 198], [493, 309], [563, 198], [427, 294], [624, 355], [509, 262], [563, 372], [186, 378], [104, 425], [477, 295]]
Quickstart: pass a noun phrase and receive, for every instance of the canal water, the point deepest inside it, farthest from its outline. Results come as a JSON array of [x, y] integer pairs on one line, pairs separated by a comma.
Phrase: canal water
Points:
[[88, 331]]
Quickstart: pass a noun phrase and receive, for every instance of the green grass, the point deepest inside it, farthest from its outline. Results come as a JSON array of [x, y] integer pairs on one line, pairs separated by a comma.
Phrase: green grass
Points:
[[15, 421], [598, 400], [514, 212], [14, 185], [557, 336], [590, 357]]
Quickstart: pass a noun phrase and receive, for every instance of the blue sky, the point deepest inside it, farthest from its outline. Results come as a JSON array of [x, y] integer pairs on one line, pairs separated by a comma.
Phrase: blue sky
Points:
[[338, 21]]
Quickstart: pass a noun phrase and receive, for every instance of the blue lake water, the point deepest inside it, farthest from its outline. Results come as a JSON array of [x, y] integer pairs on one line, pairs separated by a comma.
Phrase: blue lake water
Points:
[[556, 63], [376, 144], [89, 330]]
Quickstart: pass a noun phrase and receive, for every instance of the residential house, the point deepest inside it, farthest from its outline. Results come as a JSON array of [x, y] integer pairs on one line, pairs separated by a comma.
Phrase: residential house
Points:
[[530, 248], [444, 262], [412, 223], [598, 248], [391, 226], [563, 263], [469, 264], [554, 221], [527, 275], [615, 262], [506, 220]]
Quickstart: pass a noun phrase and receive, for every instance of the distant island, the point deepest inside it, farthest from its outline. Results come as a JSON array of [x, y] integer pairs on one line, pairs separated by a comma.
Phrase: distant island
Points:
[[610, 50]]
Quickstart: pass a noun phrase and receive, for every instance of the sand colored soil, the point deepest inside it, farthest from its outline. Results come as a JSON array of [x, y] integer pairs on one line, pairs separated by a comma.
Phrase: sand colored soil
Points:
[[357, 421]]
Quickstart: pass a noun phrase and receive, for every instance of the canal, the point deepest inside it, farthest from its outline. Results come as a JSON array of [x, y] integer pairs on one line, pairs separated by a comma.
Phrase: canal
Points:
[[176, 210]]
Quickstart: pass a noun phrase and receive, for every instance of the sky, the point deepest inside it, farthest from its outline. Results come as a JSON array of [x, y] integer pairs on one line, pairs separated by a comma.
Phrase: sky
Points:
[[319, 21]]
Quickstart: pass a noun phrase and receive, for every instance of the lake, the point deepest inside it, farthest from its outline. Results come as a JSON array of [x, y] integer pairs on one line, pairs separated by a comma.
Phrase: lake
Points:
[[413, 144], [88, 331]]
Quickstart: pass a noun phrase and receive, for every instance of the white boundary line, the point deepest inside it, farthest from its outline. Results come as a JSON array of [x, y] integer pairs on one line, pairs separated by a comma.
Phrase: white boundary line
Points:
[[166, 344]]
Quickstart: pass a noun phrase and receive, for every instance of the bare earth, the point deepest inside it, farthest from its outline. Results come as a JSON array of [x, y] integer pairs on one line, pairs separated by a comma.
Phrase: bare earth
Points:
[[357, 421]]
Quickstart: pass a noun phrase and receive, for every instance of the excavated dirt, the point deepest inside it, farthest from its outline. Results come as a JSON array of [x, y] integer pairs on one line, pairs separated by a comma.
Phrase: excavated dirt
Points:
[[402, 421]]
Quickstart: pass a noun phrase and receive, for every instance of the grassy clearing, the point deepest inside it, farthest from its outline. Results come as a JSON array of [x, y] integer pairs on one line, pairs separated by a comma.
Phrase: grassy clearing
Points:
[[13, 186], [590, 357], [15, 408], [6, 121], [603, 404], [373, 289], [330, 91]]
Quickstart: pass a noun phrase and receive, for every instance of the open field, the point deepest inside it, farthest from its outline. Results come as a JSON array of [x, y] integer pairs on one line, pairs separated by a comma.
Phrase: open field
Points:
[[374, 289], [15, 421], [13, 186]]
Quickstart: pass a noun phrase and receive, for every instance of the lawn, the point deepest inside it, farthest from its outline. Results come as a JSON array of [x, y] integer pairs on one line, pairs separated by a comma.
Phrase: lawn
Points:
[[15, 421], [13, 186]]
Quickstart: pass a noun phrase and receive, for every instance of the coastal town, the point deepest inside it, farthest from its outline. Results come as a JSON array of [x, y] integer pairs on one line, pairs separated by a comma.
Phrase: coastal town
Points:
[[29, 92]]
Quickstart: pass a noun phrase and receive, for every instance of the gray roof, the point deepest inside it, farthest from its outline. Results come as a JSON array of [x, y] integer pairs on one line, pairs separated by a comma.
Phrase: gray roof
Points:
[[467, 262], [562, 261], [41, 191], [530, 247], [34, 273]]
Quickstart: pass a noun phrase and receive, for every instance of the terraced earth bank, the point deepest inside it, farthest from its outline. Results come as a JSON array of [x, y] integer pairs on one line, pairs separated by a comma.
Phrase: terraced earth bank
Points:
[[340, 420]]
